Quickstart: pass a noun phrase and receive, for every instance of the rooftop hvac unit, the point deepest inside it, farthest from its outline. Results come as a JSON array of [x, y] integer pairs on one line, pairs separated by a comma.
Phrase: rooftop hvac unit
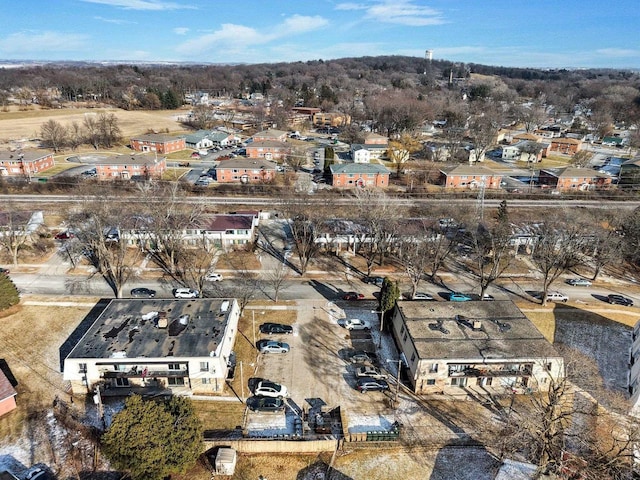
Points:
[[224, 306]]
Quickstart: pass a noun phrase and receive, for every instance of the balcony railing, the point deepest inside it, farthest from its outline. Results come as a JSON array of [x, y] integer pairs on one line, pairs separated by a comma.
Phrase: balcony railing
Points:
[[148, 374]]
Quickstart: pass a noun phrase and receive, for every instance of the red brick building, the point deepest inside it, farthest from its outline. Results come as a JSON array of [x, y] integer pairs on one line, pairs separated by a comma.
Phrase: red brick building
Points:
[[245, 170], [131, 166], [572, 178], [159, 143], [267, 149], [568, 146], [7, 395], [361, 175], [26, 163], [470, 176]]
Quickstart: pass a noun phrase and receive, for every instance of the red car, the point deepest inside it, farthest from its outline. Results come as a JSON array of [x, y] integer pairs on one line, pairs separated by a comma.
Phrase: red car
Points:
[[64, 235], [353, 296]]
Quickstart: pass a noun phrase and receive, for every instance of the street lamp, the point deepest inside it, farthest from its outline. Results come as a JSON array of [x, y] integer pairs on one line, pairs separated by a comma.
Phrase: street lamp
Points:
[[395, 396]]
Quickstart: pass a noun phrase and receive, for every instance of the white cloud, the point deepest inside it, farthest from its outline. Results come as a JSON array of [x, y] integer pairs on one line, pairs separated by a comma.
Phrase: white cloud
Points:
[[400, 12], [181, 30], [142, 4], [25, 43], [115, 21], [618, 52], [232, 36]]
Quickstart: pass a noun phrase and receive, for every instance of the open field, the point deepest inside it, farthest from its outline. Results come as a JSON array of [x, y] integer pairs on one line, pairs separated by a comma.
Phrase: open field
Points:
[[19, 125]]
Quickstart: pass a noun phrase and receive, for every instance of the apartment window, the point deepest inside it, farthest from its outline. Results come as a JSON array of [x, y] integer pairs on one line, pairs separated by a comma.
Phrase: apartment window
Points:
[[547, 367], [82, 368], [431, 381], [122, 382], [206, 381], [402, 330], [404, 339], [459, 382], [204, 366], [174, 366], [433, 368], [413, 358], [175, 382]]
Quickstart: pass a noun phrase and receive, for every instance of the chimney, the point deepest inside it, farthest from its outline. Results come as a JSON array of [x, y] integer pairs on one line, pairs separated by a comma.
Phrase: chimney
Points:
[[162, 320], [477, 325]]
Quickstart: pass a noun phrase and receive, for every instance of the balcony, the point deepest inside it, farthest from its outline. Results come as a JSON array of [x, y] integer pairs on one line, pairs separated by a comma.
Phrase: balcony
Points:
[[492, 371], [148, 374]]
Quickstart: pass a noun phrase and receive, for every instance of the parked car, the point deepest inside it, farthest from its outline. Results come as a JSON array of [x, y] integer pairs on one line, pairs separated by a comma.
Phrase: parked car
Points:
[[579, 282], [185, 293], [360, 356], [37, 474], [5, 271], [458, 297], [271, 346], [213, 277], [370, 371], [353, 296], [487, 297], [265, 388], [422, 296], [356, 324], [369, 384], [616, 299], [265, 404], [275, 328], [377, 281], [557, 297], [66, 235], [143, 292]]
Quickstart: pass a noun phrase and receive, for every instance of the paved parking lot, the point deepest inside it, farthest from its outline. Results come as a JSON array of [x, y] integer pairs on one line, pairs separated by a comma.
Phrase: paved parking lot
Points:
[[317, 370]]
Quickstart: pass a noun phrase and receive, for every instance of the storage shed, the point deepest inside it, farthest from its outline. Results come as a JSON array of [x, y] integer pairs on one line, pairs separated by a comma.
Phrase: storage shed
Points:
[[226, 459]]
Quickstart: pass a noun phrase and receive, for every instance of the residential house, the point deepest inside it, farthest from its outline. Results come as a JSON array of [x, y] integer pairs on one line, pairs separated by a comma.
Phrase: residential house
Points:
[[363, 175], [374, 151], [155, 347], [360, 154], [7, 395], [331, 119], [613, 141], [16, 222], [24, 163], [130, 166], [525, 151], [475, 347], [375, 139], [224, 138], [270, 135], [245, 170], [267, 149], [159, 143], [470, 177], [199, 140], [564, 145], [228, 231], [573, 178], [525, 136], [630, 174]]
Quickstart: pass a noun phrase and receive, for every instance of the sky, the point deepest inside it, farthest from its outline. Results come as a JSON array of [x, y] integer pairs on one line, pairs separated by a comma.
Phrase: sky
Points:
[[516, 33]]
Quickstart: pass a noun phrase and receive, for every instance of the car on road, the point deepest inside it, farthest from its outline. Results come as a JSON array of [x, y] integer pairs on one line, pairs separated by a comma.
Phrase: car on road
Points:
[[370, 371], [579, 282], [353, 296], [615, 299], [265, 404], [458, 297], [213, 277], [265, 388], [557, 297], [5, 271], [143, 292], [377, 281], [356, 324], [369, 384], [422, 296], [487, 297], [185, 293], [360, 356], [271, 346], [275, 328]]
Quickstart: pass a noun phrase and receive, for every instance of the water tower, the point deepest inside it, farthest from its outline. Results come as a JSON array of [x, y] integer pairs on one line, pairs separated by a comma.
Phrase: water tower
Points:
[[428, 55]]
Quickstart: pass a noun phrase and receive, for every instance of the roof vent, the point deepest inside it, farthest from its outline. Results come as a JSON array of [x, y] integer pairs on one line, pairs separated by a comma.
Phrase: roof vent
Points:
[[477, 325], [162, 320], [439, 326], [224, 306]]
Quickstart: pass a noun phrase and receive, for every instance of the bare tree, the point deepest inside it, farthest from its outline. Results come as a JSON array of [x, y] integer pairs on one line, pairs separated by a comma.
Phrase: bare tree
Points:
[[97, 227], [16, 230], [413, 252], [557, 249], [277, 278], [483, 127], [305, 220], [54, 135]]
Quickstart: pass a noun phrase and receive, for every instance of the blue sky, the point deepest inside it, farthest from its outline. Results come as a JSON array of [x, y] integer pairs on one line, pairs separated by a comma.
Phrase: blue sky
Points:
[[533, 33]]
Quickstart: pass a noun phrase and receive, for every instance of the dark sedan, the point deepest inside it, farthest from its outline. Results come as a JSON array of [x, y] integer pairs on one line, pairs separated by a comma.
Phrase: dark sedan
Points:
[[615, 299], [265, 404], [275, 328], [143, 293]]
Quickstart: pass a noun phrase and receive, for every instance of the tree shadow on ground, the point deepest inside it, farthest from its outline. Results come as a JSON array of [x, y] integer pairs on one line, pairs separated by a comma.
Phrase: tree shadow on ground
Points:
[[478, 464], [320, 469]]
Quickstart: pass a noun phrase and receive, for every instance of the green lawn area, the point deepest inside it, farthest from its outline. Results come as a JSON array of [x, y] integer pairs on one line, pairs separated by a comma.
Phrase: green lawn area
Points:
[[59, 167]]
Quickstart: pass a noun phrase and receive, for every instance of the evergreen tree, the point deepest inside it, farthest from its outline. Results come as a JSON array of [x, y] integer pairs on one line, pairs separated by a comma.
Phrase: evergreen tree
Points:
[[151, 440], [171, 100], [389, 295]]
